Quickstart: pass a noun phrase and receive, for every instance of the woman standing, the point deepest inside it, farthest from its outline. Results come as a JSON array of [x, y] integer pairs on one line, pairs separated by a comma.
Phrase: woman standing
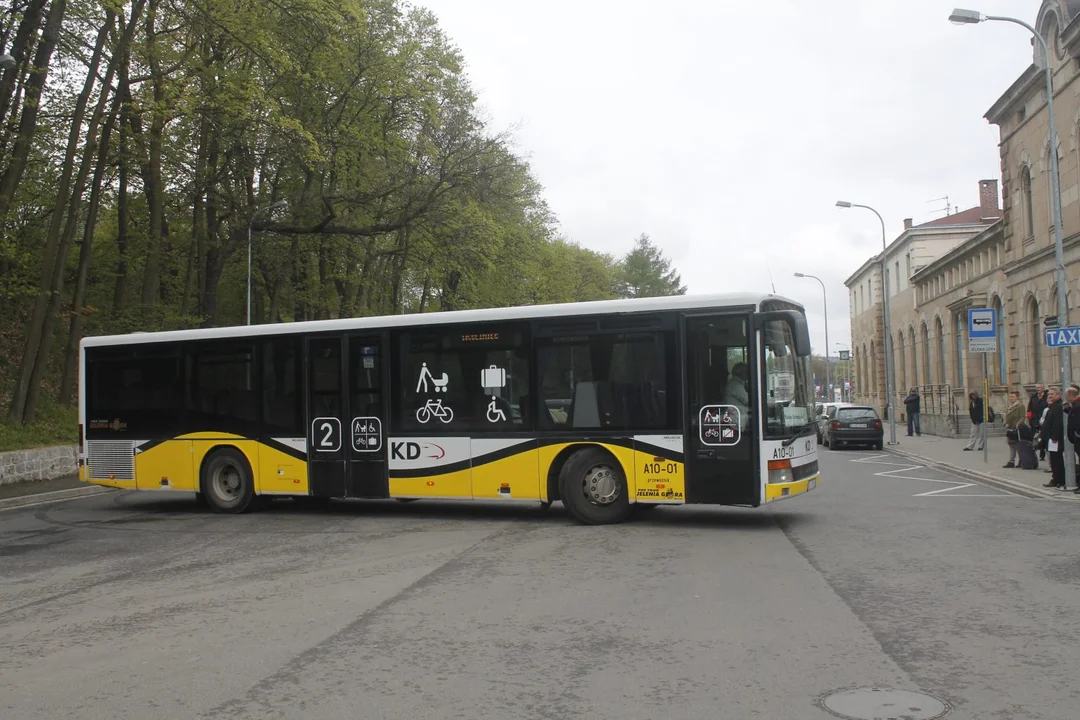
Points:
[[1014, 415], [975, 410]]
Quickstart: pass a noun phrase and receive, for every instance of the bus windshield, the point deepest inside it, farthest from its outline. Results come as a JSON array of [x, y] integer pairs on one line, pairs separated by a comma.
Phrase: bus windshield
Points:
[[787, 390]]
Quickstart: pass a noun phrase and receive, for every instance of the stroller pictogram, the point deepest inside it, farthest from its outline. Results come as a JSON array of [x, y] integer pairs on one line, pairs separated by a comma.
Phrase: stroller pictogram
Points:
[[425, 375]]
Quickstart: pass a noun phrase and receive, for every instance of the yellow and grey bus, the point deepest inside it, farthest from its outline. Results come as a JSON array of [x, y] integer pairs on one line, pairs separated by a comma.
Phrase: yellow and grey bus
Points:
[[604, 406]]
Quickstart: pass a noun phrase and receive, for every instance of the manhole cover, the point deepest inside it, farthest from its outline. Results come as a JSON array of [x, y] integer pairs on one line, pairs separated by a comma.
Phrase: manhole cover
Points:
[[883, 704]]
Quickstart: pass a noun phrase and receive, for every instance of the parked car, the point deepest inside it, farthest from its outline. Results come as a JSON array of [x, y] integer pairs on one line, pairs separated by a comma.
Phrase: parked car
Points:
[[854, 425], [824, 413]]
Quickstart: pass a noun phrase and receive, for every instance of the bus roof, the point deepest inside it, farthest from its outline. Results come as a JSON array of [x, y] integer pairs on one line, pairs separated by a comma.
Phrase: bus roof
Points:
[[519, 312]]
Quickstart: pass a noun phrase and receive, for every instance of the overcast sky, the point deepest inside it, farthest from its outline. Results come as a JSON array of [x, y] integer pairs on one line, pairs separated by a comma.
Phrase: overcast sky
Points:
[[727, 130]]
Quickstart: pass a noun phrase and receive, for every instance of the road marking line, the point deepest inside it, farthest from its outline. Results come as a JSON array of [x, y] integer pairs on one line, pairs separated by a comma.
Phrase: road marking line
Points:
[[910, 467], [945, 490]]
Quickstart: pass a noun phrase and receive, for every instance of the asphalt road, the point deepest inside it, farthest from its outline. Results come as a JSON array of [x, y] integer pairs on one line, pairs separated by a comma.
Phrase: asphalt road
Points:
[[130, 605]]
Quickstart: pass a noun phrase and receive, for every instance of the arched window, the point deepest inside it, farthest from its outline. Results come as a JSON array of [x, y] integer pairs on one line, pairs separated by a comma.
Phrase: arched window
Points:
[[914, 357], [928, 371], [1027, 200], [1003, 371], [943, 372], [873, 384], [900, 352], [959, 324], [1034, 347], [857, 359]]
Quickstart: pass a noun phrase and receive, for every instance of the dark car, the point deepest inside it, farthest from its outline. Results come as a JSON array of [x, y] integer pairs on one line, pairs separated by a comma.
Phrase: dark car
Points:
[[855, 425]]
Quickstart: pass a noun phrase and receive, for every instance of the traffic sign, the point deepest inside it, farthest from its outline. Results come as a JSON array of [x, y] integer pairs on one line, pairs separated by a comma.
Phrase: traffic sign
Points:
[[982, 330], [1063, 336]]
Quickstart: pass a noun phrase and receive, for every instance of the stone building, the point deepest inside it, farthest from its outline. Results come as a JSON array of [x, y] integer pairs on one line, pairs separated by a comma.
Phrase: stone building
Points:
[[1008, 264], [906, 258]]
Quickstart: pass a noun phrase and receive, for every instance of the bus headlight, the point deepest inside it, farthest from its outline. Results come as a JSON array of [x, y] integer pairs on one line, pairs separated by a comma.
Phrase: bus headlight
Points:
[[780, 471]]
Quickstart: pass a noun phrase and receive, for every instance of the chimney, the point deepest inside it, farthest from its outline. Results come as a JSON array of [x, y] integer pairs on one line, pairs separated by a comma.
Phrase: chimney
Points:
[[907, 223], [988, 199]]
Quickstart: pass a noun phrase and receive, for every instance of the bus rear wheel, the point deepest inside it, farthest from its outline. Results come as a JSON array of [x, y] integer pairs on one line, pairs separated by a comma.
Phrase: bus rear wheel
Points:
[[227, 482], [592, 486]]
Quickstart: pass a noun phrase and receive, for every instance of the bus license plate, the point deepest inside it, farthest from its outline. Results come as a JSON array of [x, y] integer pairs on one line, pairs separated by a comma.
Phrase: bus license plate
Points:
[[859, 425]]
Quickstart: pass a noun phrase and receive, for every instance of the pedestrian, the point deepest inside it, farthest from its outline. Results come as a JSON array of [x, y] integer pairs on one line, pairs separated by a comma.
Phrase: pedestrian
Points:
[[914, 406], [1072, 425], [1053, 432], [975, 410], [1036, 409], [1014, 417]]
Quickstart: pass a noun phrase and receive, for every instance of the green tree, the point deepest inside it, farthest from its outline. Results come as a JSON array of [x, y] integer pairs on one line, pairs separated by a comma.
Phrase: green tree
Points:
[[169, 125], [645, 272]]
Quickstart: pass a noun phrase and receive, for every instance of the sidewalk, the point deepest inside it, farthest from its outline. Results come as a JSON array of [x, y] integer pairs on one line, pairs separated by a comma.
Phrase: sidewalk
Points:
[[32, 493], [949, 454]]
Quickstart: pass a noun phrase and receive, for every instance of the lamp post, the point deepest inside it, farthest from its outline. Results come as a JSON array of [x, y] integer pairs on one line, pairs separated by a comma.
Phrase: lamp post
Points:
[[889, 375], [969, 17], [269, 208], [6, 62], [825, 306]]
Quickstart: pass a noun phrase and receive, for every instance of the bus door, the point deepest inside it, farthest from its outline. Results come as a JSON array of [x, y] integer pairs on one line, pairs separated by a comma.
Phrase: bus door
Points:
[[347, 417], [720, 443]]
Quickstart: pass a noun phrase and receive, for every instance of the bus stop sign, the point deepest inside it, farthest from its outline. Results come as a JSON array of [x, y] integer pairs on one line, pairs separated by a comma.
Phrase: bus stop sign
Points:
[[982, 330]]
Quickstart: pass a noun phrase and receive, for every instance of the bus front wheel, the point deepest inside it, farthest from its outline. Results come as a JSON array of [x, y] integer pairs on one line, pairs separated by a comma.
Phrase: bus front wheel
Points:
[[227, 482], [592, 486]]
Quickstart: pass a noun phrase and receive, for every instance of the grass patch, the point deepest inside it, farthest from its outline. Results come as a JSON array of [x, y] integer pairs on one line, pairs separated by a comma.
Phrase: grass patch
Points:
[[54, 425]]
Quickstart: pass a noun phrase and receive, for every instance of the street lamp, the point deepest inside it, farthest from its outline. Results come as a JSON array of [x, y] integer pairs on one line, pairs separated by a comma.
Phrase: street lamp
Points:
[[270, 208], [6, 62], [825, 306], [888, 324], [970, 17]]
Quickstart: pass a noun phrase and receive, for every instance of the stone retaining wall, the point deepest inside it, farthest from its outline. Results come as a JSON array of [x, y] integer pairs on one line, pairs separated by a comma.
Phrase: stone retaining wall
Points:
[[39, 464]]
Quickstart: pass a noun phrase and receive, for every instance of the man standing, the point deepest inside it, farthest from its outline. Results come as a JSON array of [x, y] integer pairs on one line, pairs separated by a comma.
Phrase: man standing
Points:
[[1053, 433], [913, 404], [1072, 424], [1014, 417], [1037, 403]]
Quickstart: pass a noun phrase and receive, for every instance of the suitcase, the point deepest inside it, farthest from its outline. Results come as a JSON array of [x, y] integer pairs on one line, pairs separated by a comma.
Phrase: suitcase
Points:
[[493, 377], [1025, 449]]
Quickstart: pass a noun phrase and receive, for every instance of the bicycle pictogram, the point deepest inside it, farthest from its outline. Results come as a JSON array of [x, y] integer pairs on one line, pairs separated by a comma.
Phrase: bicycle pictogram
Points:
[[434, 408]]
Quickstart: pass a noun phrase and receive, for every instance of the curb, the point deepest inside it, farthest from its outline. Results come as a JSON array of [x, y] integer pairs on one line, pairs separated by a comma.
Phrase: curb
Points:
[[51, 497], [1012, 486]]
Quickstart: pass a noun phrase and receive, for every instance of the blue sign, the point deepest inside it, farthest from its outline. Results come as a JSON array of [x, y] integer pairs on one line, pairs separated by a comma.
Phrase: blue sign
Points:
[[982, 330], [1063, 337], [982, 323]]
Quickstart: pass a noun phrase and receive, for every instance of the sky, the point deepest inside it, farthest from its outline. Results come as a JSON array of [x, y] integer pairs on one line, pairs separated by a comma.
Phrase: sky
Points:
[[727, 130]]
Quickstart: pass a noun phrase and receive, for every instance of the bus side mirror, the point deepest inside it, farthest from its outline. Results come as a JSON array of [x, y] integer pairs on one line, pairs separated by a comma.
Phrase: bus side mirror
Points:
[[800, 332]]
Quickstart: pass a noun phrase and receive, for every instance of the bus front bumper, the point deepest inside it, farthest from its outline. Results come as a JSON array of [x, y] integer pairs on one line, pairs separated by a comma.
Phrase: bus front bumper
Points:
[[781, 491]]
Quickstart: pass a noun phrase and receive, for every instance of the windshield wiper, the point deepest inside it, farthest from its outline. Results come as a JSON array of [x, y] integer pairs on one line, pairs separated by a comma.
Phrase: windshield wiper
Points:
[[803, 431]]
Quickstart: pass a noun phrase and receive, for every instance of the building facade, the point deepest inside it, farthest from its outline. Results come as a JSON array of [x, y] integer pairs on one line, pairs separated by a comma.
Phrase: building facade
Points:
[[906, 260], [1008, 264]]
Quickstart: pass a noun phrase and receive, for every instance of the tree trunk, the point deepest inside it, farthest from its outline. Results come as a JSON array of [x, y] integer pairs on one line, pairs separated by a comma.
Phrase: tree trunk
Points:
[[120, 289], [32, 102], [155, 190], [71, 355], [209, 252], [189, 280], [73, 209], [425, 293], [52, 256], [20, 47]]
